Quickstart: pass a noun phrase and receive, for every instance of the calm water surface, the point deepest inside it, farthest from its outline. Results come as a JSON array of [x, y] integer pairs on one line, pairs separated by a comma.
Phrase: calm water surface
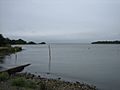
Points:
[[93, 64]]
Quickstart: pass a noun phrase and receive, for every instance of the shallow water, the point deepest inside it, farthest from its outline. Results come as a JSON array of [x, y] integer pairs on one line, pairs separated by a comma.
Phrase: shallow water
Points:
[[93, 64]]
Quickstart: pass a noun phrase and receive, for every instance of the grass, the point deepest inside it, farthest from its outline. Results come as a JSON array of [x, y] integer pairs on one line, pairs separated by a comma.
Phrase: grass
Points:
[[26, 82], [22, 82], [4, 76]]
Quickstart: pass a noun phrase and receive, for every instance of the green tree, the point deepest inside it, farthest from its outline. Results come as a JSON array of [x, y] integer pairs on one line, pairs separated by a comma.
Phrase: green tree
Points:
[[3, 41], [20, 41], [31, 42]]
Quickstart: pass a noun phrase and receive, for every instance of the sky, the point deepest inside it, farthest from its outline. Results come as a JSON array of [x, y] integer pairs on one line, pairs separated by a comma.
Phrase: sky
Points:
[[73, 21]]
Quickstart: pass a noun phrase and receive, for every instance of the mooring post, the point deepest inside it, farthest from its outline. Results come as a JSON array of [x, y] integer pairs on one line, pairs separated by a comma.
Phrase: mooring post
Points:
[[49, 57]]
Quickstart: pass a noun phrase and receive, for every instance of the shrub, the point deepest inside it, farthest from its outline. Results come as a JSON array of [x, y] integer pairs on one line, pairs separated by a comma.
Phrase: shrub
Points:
[[43, 86], [19, 82], [4, 76], [22, 82], [31, 84]]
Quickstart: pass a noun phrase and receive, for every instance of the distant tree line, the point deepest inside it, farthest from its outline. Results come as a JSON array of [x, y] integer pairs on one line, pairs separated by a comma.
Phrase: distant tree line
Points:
[[106, 42], [7, 41]]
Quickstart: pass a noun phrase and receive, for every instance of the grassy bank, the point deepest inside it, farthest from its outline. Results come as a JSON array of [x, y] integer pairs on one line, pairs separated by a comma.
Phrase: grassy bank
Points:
[[9, 50], [27, 81]]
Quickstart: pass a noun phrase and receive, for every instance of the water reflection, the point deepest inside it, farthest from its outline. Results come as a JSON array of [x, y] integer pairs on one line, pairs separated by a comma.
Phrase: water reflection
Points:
[[3, 56], [2, 59], [16, 58]]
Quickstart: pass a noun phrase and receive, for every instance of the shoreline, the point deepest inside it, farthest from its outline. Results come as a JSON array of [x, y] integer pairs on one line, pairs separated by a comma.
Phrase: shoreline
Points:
[[9, 50], [42, 83]]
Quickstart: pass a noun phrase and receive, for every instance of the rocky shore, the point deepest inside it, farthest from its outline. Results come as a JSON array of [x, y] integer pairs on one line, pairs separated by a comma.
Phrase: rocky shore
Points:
[[27, 81]]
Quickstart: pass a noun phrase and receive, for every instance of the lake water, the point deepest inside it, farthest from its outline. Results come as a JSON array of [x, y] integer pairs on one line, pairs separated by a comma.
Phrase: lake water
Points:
[[94, 64]]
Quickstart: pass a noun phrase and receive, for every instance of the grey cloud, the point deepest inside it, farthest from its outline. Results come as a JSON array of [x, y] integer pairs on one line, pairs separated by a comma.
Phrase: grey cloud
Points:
[[60, 20]]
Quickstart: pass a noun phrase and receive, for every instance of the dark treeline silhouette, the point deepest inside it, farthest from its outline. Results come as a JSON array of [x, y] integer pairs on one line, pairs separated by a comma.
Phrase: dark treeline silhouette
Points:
[[3, 41], [7, 41], [42, 43], [19, 41], [31, 42], [106, 42]]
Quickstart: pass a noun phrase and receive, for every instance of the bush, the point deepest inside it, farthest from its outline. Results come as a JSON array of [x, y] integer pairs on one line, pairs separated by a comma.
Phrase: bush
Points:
[[22, 82], [4, 76], [31, 84], [43, 86], [19, 82]]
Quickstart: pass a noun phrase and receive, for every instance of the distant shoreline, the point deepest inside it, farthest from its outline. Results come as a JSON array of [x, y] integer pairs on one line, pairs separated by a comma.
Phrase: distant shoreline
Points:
[[106, 42]]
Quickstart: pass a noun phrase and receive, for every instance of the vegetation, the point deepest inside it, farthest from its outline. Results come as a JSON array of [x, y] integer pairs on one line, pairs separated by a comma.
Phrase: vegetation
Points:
[[3, 41], [6, 48], [4, 76], [19, 41], [31, 42], [22, 82], [19, 82], [42, 43], [8, 42], [106, 42], [27, 81]]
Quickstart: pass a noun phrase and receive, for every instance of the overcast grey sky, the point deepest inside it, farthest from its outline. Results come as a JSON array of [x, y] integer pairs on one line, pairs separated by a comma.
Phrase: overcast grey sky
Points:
[[60, 20]]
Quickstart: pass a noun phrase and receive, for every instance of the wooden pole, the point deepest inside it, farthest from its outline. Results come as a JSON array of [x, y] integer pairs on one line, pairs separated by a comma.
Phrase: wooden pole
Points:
[[49, 57]]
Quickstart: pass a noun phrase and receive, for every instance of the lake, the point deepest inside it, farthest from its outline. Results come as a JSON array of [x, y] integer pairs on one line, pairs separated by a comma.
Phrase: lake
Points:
[[93, 64]]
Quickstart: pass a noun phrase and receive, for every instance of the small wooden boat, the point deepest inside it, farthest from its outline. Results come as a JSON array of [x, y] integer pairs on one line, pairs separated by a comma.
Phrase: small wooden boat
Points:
[[16, 69]]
